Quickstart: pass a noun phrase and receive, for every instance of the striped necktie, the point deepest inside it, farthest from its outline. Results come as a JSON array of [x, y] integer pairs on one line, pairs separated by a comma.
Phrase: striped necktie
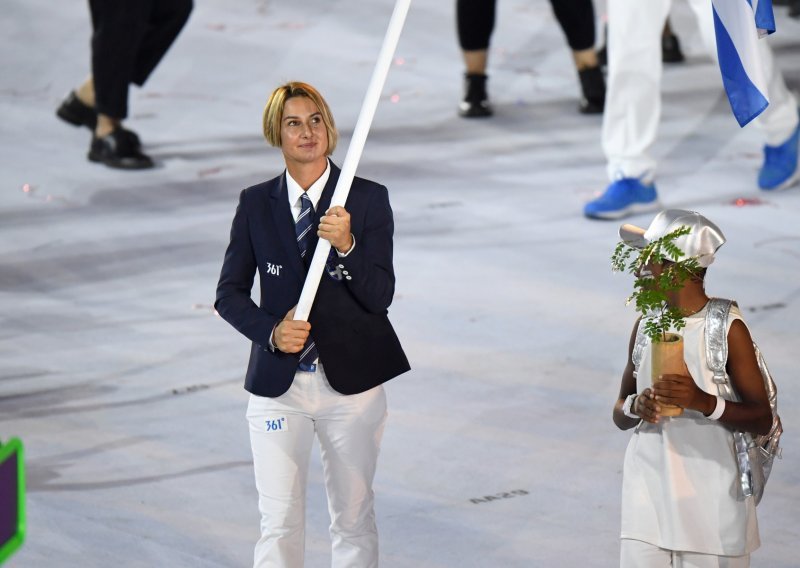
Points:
[[303, 227]]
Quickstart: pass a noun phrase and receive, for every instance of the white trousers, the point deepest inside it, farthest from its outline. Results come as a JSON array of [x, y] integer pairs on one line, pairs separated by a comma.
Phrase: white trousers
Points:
[[349, 429], [633, 99], [638, 554]]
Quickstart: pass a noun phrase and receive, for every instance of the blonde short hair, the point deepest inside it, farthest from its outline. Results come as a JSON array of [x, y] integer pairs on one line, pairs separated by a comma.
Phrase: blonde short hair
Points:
[[273, 112]]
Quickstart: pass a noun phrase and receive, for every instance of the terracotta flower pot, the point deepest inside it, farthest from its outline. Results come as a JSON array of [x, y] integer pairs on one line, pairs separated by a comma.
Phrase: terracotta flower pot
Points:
[[666, 359]]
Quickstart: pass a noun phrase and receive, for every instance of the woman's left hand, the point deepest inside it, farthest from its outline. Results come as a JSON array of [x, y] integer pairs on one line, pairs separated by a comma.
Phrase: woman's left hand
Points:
[[334, 227]]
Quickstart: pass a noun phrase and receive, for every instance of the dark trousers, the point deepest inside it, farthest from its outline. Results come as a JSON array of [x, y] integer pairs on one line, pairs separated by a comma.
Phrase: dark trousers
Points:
[[129, 39], [475, 22]]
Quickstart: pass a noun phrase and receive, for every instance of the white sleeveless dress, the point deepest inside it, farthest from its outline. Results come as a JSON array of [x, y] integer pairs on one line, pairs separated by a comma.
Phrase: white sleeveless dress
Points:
[[680, 488]]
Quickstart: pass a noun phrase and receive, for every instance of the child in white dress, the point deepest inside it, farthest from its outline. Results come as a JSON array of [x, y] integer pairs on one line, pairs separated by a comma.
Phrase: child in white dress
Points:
[[682, 504]]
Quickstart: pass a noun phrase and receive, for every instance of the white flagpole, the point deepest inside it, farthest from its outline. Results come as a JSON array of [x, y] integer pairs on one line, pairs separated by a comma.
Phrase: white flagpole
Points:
[[354, 152]]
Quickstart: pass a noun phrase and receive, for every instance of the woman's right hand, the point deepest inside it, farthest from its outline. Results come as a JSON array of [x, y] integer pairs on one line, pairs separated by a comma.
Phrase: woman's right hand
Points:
[[646, 407]]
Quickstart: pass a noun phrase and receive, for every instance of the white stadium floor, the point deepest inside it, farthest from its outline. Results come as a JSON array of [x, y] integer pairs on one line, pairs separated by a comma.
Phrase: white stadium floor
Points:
[[499, 451]]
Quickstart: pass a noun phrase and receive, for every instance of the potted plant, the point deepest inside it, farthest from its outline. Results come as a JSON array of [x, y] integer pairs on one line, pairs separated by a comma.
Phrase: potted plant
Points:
[[660, 267]]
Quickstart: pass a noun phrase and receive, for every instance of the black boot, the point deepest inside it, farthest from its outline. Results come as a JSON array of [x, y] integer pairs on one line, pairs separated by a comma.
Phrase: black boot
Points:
[[593, 87], [476, 101], [671, 49]]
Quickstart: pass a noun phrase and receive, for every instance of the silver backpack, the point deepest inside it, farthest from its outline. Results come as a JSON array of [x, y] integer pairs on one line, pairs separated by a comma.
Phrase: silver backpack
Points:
[[754, 454]]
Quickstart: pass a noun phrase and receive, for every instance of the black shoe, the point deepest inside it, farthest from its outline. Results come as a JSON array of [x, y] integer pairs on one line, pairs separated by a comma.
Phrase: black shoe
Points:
[[120, 149], [794, 9], [72, 110], [593, 87], [476, 101], [132, 137], [671, 49]]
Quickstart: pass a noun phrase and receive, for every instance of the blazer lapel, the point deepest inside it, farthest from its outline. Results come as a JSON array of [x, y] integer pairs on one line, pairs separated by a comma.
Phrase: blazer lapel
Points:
[[284, 223]]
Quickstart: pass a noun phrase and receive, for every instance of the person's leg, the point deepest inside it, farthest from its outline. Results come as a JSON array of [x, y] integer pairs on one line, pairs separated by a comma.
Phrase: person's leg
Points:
[[281, 435], [638, 554], [165, 22], [576, 18], [118, 29], [475, 62], [695, 560], [633, 107], [475, 23], [781, 126], [350, 428], [670, 45], [780, 119], [779, 122], [86, 92]]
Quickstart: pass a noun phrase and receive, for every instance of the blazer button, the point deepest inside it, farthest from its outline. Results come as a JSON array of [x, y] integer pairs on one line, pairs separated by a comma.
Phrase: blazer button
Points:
[[349, 277], [344, 272], [341, 266]]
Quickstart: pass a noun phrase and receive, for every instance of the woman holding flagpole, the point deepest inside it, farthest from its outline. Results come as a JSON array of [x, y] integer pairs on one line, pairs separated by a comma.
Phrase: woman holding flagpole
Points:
[[322, 377]]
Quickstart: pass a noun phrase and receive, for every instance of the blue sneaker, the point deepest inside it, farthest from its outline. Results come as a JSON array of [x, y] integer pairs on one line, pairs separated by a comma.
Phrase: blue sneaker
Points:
[[623, 197], [780, 165]]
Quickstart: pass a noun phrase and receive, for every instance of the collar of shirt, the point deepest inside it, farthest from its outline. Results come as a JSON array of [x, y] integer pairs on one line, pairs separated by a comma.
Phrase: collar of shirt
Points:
[[314, 192]]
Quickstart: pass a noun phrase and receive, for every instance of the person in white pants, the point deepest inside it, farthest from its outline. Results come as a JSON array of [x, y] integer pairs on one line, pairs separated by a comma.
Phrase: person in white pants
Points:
[[322, 377], [349, 429], [633, 108]]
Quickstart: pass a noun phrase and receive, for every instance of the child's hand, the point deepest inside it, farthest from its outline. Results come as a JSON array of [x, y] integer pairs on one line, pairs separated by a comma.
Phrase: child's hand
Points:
[[680, 390], [645, 405]]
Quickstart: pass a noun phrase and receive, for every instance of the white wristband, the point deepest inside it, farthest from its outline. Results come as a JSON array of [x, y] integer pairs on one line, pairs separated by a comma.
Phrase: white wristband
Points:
[[718, 410], [627, 407]]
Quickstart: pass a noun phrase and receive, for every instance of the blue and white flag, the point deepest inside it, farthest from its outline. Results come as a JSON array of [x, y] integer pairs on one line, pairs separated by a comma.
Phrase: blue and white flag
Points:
[[739, 24]]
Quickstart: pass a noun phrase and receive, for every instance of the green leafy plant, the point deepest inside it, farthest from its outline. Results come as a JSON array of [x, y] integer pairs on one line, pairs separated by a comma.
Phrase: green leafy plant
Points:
[[650, 291]]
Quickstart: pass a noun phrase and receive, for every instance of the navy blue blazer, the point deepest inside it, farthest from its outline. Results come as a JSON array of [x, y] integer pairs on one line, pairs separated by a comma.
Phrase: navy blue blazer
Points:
[[357, 345]]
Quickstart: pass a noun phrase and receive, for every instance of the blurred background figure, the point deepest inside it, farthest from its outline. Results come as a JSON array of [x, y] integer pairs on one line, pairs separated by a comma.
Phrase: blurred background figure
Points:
[[475, 23], [633, 109], [129, 39], [794, 6]]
